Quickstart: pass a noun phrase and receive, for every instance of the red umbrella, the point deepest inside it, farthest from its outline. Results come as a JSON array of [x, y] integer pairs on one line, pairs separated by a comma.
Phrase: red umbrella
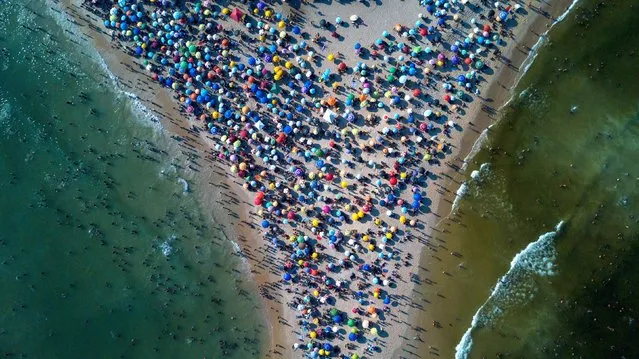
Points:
[[447, 98], [237, 15], [393, 181], [342, 66], [416, 92], [329, 176]]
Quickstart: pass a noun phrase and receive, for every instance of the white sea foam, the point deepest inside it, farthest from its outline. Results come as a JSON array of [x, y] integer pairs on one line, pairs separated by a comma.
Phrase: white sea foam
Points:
[[167, 246], [184, 184], [476, 175], [461, 192], [563, 16], [476, 147], [515, 288], [142, 112]]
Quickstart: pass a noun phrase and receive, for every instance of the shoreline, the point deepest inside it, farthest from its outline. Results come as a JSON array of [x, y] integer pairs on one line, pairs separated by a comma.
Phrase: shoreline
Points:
[[258, 252], [499, 93], [159, 102]]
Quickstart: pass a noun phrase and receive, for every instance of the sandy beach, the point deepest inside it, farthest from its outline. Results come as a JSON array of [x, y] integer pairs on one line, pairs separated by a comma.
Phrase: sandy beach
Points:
[[400, 322]]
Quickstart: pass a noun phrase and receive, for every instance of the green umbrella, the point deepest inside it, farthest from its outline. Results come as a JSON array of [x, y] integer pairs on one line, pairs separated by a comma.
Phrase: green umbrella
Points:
[[392, 69], [351, 323], [334, 312], [192, 49], [390, 78]]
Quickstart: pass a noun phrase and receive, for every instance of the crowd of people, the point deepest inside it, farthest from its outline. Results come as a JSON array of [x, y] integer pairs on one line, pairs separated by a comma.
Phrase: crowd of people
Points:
[[335, 141]]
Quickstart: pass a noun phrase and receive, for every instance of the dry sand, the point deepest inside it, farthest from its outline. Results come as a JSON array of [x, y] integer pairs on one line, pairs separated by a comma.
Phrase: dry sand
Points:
[[240, 217]]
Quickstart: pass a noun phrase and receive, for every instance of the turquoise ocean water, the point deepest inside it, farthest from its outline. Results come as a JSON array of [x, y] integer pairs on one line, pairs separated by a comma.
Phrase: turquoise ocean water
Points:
[[547, 232], [102, 252]]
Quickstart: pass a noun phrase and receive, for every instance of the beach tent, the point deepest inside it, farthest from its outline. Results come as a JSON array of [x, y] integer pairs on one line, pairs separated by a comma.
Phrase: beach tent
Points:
[[237, 15], [329, 115]]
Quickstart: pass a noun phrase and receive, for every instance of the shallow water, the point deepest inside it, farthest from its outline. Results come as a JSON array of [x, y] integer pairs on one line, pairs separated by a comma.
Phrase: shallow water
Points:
[[547, 165], [102, 253]]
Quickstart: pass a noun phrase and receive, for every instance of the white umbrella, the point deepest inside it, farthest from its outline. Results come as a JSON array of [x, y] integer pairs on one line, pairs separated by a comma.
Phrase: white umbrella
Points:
[[354, 17]]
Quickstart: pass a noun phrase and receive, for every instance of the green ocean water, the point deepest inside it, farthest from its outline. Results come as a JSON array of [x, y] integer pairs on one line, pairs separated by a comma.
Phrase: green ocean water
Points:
[[102, 252], [547, 232]]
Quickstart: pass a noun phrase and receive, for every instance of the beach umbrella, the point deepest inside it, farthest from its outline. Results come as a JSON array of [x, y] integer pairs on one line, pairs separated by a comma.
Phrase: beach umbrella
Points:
[[352, 336], [287, 276], [350, 323], [354, 18]]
